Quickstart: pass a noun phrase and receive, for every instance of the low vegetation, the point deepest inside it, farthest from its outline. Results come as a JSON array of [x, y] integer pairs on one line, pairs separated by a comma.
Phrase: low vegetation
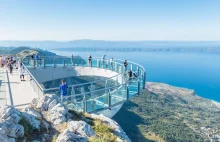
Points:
[[103, 132], [169, 118]]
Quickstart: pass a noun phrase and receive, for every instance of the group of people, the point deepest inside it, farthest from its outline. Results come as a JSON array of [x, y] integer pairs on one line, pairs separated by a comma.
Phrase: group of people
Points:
[[103, 61], [8, 62], [11, 62], [36, 60], [111, 61]]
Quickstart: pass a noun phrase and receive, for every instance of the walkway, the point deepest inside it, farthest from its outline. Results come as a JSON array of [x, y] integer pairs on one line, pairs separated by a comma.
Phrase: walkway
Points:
[[22, 92], [2, 87]]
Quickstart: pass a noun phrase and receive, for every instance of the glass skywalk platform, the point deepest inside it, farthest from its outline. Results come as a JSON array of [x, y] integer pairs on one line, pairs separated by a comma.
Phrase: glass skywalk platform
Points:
[[86, 97]]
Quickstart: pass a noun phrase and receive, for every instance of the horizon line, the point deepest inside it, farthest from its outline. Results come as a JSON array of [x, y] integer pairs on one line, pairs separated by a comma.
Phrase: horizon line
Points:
[[116, 40]]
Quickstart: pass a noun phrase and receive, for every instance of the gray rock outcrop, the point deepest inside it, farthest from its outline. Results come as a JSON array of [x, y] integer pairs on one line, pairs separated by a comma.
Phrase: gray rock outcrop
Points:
[[33, 117], [81, 128], [69, 136], [58, 114], [33, 112], [10, 113], [45, 101], [9, 131]]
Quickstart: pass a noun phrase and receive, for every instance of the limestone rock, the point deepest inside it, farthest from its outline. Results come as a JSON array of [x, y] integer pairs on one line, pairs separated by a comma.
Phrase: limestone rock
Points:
[[10, 130], [68, 136], [81, 128], [34, 102], [58, 114], [118, 131], [33, 112], [32, 120], [10, 113], [4, 138], [45, 101], [52, 104]]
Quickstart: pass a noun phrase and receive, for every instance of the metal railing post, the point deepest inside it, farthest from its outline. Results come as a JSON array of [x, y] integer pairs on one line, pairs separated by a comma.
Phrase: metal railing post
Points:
[[44, 63], [64, 63], [106, 86], [73, 93], [144, 80], [109, 98], [34, 63], [72, 60], [84, 104], [138, 87], [9, 89], [54, 62], [82, 62], [127, 90]]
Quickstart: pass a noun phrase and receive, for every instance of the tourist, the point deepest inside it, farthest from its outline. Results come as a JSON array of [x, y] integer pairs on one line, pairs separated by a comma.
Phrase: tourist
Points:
[[103, 60], [125, 64], [130, 74], [135, 74], [11, 67], [90, 60], [32, 56], [111, 63], [21, 72], [63, 89]]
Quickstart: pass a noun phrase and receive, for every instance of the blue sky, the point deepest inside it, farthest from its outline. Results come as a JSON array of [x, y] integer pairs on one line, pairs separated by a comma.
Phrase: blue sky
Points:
[[110, 19]]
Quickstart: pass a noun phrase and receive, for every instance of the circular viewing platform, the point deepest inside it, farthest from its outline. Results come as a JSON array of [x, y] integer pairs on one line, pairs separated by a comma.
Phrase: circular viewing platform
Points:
[[95, 86]]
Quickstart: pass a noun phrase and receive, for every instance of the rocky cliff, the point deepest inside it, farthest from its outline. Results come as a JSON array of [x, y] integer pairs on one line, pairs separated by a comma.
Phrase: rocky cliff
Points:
[[48, 120]]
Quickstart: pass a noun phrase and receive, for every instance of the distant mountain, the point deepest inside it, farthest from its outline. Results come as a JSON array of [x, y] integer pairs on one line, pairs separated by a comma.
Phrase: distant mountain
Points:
[[166, 113], [25, 51], [50, 44]]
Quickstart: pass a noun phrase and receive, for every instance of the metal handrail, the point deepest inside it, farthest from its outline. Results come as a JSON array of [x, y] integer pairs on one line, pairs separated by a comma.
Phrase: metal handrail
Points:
[[77, 84], [33, 77], [131, 63], [9, 89], [55, 88], [82, 94]]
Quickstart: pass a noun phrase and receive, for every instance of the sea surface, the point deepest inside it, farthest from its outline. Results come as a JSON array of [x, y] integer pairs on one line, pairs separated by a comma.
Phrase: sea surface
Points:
[[197, 71]]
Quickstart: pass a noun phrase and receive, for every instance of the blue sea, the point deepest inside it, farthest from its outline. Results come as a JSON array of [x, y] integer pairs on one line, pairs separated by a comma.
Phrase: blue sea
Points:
[[197, 71]]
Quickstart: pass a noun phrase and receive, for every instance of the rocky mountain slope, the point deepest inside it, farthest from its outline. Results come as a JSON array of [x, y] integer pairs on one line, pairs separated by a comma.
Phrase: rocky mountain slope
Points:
[[50, 121], [25, 51], [166, 113]]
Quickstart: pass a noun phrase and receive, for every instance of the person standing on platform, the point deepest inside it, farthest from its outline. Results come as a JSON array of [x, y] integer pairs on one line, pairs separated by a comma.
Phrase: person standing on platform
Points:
[[63, 89], [21, 72], [125, 64], [111, 63], [103, 61], [90, 60]]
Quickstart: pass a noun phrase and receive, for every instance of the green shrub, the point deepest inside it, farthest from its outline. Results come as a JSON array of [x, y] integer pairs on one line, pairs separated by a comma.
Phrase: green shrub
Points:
[[28, 128]]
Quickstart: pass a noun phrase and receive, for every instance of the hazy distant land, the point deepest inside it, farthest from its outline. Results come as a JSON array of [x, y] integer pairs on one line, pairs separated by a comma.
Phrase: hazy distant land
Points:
[[120, 46]]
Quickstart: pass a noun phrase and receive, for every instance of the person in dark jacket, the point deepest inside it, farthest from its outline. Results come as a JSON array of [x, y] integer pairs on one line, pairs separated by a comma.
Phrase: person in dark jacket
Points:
[[125, 64]]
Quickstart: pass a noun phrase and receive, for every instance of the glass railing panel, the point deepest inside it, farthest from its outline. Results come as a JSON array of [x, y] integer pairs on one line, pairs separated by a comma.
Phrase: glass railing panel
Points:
[[98, 100]]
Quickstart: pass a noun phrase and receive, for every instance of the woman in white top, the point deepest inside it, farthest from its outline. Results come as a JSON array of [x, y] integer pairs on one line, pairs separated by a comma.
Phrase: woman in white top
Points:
[[21, 72]]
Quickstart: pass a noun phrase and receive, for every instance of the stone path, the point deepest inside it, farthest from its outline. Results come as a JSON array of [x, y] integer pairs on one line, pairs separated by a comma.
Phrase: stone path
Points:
[[22, 92]]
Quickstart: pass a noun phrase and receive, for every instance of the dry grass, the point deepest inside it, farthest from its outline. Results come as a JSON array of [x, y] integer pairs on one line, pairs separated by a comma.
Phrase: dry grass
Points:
[[62, 127], [103, 132]]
